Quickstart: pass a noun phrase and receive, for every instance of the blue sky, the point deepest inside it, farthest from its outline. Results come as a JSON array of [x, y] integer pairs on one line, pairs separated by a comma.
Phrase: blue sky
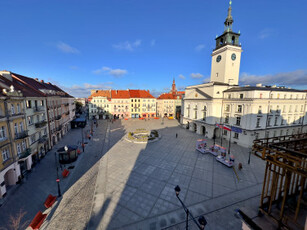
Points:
[[120, 44]]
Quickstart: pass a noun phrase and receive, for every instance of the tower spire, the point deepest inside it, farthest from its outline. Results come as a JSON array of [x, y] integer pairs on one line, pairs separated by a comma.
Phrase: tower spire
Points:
[[228, 22]]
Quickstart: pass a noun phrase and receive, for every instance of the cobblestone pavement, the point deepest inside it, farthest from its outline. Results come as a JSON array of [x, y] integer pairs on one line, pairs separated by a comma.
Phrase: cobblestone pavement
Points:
[[135, 183], [37, 185]]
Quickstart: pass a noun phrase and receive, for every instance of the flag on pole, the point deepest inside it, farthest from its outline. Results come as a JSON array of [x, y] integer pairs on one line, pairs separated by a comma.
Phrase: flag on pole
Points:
[[226, 128], [236, 129]]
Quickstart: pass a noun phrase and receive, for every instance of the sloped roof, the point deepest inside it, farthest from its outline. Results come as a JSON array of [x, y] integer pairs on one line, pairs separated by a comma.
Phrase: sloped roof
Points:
[[24, 88], [169, 96], [120, 94], [137, 93], [101, 93], [252, 88]]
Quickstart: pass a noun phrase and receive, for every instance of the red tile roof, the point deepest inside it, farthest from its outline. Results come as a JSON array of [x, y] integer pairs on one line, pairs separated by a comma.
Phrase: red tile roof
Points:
[[137, 93], [168, 96], [120, 94], [101, 93]]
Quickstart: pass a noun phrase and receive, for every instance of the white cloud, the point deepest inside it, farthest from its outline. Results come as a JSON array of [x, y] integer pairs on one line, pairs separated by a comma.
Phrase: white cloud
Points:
[[196, 75], [199, 47], [181, 76], [153, 42], [265, 33], [65, 48], [110, 71], [294, 78], [85, 89], [130, 46]]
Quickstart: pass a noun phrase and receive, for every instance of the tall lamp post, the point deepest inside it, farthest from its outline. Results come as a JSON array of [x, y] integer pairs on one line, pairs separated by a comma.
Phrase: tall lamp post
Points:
[[57, 178], [201, 220]]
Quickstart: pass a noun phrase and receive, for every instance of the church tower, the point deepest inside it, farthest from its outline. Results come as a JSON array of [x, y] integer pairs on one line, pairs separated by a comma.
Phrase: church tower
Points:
[[226, 57], [174, 90]]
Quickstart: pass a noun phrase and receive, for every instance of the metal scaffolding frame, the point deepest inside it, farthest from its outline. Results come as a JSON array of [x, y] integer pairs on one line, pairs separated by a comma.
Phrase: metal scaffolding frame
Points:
[[284, 178]]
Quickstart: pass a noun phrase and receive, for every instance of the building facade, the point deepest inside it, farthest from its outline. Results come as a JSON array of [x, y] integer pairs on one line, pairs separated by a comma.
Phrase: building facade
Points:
[[168, 104], [122, 104], [251, 111]]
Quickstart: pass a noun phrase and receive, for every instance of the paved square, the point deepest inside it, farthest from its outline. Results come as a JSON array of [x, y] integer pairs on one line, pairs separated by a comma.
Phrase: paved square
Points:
[[141, 180]]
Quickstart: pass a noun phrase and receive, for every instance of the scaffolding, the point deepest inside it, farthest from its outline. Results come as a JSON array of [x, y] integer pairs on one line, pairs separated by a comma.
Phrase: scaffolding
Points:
[[284, 186]]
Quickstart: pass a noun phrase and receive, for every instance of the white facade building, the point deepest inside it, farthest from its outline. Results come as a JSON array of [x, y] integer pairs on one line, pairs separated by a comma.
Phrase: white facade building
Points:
[[260, 111]]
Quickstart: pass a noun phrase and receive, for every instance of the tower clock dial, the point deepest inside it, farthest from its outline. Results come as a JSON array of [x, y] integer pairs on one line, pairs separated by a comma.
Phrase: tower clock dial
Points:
[[218, 58], [233, 56]]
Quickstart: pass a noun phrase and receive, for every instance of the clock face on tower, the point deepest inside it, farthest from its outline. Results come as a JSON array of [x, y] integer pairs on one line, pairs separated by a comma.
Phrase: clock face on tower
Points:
[[218, 58], [233, 56]]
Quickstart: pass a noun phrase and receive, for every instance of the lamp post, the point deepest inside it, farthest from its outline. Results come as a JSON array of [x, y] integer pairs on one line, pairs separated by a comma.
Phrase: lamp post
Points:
[[58, 179], [201, 220]]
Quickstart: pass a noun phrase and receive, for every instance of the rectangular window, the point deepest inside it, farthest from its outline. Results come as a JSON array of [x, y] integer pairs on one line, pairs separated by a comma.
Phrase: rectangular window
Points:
[[16, 128], [30, 120], [276, 120], [195, 116], [258, 122], [18, 147], [238, 121], [21, 126], [12, 109], [28, 104], [241, 95], [239, 109], [2, 132], [227, 119], [227, 108], [5, 154], [281, 132], [18, 108], [269, 121], [236, 135], [260, 110], [23, 144], [225, 132], [33, 139]]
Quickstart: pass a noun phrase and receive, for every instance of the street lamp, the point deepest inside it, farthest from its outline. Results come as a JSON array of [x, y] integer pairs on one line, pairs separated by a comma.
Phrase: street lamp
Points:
[[58, 179], [201, 220]]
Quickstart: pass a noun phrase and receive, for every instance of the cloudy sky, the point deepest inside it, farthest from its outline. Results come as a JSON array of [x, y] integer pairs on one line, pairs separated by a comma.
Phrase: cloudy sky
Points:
[[138, 44]]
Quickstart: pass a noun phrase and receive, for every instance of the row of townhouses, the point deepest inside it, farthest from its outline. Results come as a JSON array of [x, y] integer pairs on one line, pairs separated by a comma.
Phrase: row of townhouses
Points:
[[34, 115], [250, 112], [133, 103]]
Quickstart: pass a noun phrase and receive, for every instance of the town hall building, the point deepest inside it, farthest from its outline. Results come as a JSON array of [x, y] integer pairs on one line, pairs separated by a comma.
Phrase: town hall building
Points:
[[253, 111]]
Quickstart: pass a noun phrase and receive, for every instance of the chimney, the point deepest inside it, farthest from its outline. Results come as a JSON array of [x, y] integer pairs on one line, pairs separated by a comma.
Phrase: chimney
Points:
[[42, 81], [36, 79]]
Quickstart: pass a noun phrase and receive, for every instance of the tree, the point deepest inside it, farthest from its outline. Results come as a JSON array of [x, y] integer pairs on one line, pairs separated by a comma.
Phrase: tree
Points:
[[16, 222], [78, 106]]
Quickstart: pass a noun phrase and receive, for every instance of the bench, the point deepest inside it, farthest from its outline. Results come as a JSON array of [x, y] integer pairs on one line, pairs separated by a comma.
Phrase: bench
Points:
[[50, 201], [65, 173], [38, 220]]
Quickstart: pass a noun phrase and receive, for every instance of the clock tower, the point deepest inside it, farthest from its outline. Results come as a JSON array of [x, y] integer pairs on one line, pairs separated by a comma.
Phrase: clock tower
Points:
[[226, 56]]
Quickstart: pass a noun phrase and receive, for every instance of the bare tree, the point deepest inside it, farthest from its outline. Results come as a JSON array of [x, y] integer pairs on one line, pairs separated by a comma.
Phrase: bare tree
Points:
[[16, 221]]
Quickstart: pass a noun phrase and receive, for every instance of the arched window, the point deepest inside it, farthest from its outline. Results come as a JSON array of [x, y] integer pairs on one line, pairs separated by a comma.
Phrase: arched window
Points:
[[221, 41], [233, 39]]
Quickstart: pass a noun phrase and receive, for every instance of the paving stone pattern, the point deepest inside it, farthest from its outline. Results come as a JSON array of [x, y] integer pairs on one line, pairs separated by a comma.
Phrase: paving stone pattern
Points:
[[141, 180]]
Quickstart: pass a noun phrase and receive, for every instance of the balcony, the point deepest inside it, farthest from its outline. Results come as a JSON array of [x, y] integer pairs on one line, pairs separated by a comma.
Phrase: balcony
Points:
[[40, 124], [38, 109], [43, 139], [21, 135], [16, 114], [58, 117], [25, 153]]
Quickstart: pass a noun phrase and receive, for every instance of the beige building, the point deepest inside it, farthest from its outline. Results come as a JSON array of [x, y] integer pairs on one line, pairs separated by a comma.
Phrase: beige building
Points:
[[251, 111]]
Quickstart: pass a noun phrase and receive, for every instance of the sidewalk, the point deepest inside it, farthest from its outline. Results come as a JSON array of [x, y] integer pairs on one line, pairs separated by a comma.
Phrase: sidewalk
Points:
[[30, 195]]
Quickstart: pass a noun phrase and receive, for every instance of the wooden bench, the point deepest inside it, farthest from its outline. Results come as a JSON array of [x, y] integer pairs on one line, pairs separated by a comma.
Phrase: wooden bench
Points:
[[38, 220], [65, 173], [50, 201]]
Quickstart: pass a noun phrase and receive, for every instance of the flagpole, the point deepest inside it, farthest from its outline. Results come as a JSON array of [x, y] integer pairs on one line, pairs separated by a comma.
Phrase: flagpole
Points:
[[229, 142]]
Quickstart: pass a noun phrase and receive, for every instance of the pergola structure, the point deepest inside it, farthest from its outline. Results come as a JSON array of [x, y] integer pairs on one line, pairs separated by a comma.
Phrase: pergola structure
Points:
[[285, 185]]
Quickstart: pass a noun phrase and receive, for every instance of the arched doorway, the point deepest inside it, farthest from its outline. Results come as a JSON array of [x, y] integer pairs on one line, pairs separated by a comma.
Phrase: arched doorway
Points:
[[9, 178], [194, 127], [217, 133], [203, 130]]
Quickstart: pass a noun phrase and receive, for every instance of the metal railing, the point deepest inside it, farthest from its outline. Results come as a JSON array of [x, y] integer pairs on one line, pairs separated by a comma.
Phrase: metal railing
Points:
[[21, 135]]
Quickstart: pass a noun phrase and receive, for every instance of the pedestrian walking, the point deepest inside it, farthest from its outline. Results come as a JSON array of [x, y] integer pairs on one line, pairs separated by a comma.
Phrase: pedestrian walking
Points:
[[176, 135]]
